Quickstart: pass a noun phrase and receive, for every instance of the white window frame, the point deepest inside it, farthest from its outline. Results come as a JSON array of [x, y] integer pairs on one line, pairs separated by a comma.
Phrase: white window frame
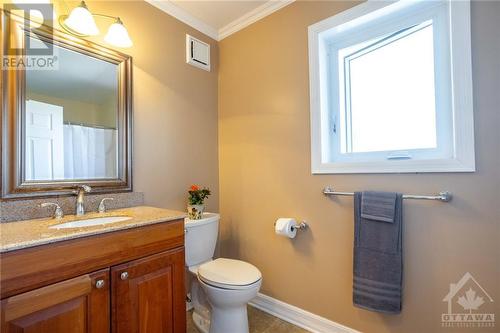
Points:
[[454, 115]]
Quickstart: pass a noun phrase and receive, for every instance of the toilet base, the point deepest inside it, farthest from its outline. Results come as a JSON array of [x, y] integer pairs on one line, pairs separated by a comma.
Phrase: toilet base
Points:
[[199, 305], [189, 303], [202, 324], [228, 307], [234, 320]]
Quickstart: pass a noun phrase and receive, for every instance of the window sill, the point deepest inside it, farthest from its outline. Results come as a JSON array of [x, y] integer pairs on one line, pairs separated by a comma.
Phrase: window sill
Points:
[[402, 166]]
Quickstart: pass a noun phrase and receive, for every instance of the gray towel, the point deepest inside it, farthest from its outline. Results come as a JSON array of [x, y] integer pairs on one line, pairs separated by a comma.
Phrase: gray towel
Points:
[[378, 206], [378, 260]]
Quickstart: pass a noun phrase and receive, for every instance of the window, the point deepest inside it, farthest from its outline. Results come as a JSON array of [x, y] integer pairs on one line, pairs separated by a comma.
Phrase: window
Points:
[[372, 74], [391, 89]]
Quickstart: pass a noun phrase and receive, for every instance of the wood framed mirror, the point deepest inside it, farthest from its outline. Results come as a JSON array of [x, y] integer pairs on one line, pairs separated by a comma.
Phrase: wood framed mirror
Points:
[[66, 113]]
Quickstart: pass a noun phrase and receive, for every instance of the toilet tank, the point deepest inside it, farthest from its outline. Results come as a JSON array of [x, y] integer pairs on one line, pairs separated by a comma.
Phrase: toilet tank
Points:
[[201, 238]]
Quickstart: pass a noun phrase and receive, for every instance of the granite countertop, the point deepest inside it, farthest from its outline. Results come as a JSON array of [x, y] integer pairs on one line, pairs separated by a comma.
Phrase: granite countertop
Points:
[[23, 234]]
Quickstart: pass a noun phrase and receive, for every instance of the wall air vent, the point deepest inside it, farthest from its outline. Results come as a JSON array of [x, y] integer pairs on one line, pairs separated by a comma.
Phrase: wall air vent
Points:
[[197, 53]]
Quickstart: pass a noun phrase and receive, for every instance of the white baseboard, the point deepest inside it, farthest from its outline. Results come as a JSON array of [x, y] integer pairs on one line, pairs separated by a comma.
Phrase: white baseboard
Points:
[[298, 317]]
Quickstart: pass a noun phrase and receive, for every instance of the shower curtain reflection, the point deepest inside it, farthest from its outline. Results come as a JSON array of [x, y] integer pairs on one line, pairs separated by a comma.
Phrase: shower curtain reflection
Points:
[[89, 152]]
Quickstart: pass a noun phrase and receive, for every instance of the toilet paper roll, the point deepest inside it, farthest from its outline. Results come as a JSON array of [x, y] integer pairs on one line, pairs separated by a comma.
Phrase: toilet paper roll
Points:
[[283, 227]]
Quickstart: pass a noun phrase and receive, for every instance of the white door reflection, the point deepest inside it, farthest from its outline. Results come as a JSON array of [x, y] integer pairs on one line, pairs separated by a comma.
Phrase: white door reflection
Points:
[[44, 141]]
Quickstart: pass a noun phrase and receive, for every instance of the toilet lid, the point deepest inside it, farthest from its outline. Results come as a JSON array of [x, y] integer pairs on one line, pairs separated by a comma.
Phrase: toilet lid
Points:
[[229, 272]]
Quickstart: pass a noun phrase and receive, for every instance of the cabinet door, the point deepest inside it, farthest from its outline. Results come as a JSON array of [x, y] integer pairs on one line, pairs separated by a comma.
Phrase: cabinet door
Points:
[[148, 294], [78, 305]]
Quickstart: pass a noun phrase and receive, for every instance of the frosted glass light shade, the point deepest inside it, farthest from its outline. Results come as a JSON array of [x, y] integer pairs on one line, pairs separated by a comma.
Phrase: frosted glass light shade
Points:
[[118, 35], [81, 21]]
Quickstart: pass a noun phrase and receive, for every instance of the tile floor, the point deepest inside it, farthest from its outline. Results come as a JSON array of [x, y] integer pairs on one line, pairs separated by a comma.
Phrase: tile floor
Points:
[[259, 322]]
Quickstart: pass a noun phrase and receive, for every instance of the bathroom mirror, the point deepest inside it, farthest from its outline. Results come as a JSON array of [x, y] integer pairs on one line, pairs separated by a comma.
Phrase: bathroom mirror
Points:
[[66, 113]]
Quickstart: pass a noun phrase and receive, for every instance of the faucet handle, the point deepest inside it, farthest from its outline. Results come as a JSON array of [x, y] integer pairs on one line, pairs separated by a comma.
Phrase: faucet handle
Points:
[[58, 214], [102, 205], [86, 188]]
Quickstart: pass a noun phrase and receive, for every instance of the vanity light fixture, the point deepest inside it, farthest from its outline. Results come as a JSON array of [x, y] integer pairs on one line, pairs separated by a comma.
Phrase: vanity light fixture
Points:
[[80, 22], [117, 35]]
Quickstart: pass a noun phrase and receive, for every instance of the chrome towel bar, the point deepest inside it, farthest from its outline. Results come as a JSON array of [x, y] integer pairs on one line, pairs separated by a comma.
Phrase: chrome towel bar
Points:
[[444, 196]]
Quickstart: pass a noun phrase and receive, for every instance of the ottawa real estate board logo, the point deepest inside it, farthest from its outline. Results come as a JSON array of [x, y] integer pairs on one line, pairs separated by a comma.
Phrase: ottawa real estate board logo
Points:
[[468, 305]]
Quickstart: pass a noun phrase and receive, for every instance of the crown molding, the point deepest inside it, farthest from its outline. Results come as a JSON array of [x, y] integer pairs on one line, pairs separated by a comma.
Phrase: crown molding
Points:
[[185, 17], [253, 16]]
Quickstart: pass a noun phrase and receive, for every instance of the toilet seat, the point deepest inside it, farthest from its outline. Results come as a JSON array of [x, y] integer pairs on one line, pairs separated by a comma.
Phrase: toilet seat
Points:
[[229, 274]]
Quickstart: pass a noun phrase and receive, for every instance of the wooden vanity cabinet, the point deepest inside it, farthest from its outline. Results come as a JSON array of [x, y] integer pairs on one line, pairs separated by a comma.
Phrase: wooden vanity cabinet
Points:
[[135, 284], [76, 305], [145, 297]]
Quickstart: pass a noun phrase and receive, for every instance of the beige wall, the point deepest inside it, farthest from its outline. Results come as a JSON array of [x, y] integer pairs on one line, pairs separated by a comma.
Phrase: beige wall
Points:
[[78, 112], [175, 105], [264, 168]]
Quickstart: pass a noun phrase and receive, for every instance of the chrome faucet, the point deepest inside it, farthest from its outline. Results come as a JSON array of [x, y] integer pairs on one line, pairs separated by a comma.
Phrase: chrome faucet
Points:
[[58, 213], [80, 191], [102, 205]]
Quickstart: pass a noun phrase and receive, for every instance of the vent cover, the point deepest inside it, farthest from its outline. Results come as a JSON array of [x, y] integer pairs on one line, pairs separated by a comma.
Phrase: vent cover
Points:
[[197, 53]]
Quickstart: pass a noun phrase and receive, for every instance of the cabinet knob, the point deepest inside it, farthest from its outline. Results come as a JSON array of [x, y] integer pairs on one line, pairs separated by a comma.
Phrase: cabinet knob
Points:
[[99, 284], [124, 275]]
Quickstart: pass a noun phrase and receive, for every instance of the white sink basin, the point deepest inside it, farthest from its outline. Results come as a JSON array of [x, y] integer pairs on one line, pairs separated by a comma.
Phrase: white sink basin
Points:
[[91, 222]]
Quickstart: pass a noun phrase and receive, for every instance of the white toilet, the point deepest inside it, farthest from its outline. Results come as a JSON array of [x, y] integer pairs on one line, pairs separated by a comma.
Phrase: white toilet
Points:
[[227, 284]]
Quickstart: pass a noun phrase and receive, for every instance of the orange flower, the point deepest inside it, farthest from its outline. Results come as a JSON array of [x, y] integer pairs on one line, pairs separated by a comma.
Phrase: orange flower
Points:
[[194, 188]]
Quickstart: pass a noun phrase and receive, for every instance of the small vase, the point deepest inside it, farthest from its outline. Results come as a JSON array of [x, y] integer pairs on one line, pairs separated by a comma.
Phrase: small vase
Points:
[[195, 212]]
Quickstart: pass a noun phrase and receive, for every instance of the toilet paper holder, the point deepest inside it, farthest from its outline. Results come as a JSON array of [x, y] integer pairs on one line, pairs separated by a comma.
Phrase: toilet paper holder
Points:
[[300, 226]]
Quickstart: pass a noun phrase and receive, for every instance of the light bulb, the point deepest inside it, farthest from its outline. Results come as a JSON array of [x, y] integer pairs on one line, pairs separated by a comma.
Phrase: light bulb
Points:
[[80, 20], [117, 35]]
